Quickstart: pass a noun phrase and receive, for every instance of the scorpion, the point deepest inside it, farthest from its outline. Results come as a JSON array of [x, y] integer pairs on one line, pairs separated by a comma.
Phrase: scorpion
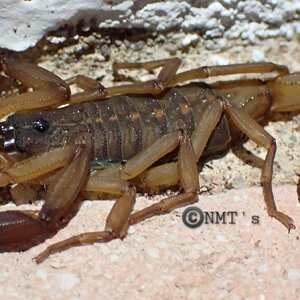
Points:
[[144, 135]]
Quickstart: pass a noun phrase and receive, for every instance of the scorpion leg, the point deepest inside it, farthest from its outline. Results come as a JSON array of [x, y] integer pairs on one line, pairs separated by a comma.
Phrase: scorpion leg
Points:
[[117, 224], [167, 77], [210, 71], [93, 90], [167, 174], [188, 177], [48, 89], [262, 138], [285, 92], [169, 67], [118, 220]]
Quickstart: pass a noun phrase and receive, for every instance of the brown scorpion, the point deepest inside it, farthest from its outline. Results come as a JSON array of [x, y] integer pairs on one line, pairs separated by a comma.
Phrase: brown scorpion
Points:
[[144, 135]]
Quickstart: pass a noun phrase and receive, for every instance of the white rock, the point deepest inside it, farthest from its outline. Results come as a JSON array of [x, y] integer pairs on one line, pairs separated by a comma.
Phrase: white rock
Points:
[[258, 56], [24, 23], [216, 7], [189, 39], [219, 60]]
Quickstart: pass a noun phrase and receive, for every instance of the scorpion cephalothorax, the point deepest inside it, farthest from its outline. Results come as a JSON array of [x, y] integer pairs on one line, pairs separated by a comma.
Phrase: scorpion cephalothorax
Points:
[[128, 136]]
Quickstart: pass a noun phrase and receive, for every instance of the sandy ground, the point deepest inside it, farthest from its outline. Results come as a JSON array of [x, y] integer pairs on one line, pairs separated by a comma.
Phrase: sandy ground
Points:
[[162, 257]]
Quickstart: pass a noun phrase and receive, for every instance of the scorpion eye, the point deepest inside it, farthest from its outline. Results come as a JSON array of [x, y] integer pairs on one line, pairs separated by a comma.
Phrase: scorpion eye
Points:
[[40, 125]]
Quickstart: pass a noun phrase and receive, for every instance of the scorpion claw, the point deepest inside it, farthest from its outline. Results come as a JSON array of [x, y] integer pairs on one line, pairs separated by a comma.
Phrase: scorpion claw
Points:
[[20, 231]]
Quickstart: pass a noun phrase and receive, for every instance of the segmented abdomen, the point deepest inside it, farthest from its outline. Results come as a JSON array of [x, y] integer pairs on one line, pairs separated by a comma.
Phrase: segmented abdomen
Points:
[[125, 125]]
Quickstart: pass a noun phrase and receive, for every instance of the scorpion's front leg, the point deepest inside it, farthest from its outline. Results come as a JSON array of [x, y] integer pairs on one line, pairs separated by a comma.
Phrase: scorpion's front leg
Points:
[[120, 217], [21, 230], [48, 89]]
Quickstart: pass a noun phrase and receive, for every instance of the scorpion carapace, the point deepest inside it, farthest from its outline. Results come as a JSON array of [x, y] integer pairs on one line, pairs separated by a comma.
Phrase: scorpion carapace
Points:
[[121, 134]]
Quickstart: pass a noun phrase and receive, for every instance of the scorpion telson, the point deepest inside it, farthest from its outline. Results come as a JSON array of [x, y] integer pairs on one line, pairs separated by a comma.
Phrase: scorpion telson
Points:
[[147, 136]]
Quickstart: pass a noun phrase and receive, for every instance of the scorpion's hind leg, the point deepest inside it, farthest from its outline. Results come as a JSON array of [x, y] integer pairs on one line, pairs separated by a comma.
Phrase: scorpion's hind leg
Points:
[[262, 138], [211, 71], [156, 86], [169, 77], [167, 174], [281, 86], [94, 90], [48, 89]]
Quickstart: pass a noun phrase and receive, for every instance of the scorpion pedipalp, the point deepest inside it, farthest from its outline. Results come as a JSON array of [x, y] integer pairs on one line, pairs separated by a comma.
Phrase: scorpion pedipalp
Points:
[[20, 231]]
